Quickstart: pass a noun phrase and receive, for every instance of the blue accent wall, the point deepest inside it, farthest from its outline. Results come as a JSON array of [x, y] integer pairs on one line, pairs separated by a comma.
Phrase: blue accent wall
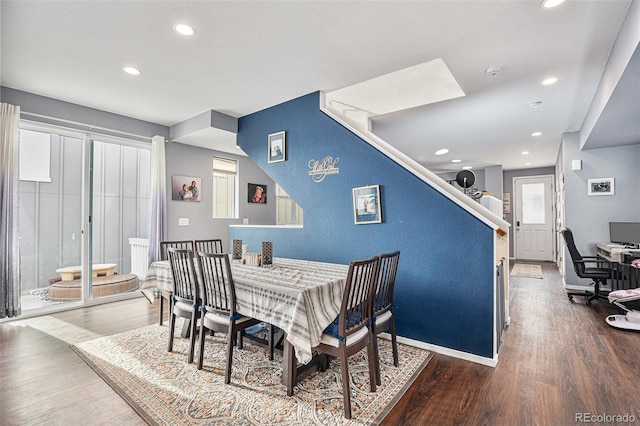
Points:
[[444, 288]]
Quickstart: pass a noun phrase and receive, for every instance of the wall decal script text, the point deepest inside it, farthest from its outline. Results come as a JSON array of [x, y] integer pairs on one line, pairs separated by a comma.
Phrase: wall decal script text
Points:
[[322, 168]]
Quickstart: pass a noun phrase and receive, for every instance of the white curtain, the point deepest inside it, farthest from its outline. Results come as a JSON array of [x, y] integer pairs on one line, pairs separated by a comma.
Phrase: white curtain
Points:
[[157, 199], [9, 236]]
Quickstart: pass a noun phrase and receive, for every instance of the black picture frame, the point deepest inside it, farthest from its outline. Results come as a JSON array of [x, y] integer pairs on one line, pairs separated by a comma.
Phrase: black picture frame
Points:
[[257, 193], [277, 151]]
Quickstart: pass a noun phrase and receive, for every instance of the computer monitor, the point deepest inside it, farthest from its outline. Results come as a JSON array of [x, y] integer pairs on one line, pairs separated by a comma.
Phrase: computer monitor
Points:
[[624, 232]]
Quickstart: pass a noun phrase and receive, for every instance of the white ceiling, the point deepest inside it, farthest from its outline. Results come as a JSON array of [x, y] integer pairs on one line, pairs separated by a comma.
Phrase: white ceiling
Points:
[[249, 55]]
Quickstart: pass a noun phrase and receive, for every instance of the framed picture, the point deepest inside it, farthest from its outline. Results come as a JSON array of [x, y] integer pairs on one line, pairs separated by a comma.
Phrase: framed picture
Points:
[[257, 193], [185, 188], [366, 205], [601, 186], [277, 147]]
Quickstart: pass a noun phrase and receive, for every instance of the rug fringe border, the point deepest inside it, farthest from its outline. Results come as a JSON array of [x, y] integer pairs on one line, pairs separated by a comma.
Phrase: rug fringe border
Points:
[[142, 413]]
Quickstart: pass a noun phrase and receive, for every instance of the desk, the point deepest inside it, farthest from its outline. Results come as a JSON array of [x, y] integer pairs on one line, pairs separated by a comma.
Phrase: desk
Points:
[[624, 275], [615, 252], [300, 297]]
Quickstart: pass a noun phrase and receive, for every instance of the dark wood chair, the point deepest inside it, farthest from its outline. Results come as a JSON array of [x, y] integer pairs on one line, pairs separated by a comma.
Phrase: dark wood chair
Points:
[[350, 332], [185, 300], [383, 318], [219, 305], [215, 246], [208, 246], [599, 271], [164, 245]]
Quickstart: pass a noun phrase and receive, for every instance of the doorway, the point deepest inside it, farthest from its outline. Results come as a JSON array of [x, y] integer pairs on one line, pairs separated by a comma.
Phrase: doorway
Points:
[[534, 218]]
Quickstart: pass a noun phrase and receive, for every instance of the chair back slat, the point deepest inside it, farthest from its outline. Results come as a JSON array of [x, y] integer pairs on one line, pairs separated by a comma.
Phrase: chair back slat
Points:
[[164, 245], [208, 246], [218, 292], [185, 281], [355, 312], [383, 299]]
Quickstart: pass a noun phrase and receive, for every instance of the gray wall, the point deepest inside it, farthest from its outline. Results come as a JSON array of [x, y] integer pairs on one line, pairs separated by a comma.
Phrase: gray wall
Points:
[[100, 121], [187, 160], [508, 188], [589, 216], [493, 181]]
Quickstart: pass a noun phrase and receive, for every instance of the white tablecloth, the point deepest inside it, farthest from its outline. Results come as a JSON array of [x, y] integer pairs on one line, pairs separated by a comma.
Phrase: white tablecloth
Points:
[[299, 296]]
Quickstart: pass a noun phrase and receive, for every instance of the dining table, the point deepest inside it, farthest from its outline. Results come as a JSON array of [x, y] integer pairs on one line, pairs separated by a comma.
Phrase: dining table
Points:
[[300, 297]]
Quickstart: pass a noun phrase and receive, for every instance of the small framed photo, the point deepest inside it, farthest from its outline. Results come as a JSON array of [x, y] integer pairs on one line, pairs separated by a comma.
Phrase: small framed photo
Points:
[[277, 147], [366, 205], [601, 186], [185, 188], [257, 193]]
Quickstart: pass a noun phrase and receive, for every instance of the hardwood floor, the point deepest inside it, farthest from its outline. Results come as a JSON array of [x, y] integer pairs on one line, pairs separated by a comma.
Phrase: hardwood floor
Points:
[[558, 359]]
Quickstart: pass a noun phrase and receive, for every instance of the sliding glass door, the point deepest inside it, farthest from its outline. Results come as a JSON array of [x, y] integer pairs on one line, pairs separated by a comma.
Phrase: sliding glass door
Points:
[[119, 206], [81, 198], [51, 170]]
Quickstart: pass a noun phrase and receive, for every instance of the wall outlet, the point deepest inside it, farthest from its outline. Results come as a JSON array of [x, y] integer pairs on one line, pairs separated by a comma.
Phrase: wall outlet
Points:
[[183, 221]]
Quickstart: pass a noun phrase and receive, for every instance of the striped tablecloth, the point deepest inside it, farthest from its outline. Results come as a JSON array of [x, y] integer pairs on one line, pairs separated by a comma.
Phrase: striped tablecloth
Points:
[[299, 296]]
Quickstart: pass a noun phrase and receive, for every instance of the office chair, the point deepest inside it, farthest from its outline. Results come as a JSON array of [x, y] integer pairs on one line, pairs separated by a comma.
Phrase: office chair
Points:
[[599, 273]]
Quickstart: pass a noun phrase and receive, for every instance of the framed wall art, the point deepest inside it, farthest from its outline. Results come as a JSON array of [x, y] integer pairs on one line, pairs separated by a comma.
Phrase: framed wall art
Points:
[[257, 193], [601, 186], [366, 205], [185, 188], [277, 147]]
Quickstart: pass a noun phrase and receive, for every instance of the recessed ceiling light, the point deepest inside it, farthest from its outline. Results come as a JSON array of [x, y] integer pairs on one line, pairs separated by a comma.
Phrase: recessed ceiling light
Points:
[[525, 153], [184, 29], [551, 3], [131, 70], [467, 167], [456, 161], [549, 81], [527, 164], [535, 104], [536, 134], [442, 151]]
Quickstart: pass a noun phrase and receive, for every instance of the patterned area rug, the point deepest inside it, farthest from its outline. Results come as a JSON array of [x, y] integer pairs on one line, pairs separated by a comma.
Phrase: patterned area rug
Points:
[[527, 270], [164, 389]]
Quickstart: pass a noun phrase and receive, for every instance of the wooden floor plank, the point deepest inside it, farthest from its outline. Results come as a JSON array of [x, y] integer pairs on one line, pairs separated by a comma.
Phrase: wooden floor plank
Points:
[[558, 358]]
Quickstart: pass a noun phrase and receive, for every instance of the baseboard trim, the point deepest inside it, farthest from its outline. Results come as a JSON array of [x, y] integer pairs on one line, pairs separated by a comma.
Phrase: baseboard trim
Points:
[[490, 362]]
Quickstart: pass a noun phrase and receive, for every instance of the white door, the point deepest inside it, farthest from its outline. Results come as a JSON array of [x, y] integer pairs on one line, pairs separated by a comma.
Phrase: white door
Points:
[[534, 219]]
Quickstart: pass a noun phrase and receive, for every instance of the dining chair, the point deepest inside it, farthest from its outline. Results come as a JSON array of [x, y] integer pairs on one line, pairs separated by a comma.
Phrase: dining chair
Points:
[[350, 331], [164, 245], [215, 246], [208, 246], [383, 318], [219, 305], [185, 300]]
